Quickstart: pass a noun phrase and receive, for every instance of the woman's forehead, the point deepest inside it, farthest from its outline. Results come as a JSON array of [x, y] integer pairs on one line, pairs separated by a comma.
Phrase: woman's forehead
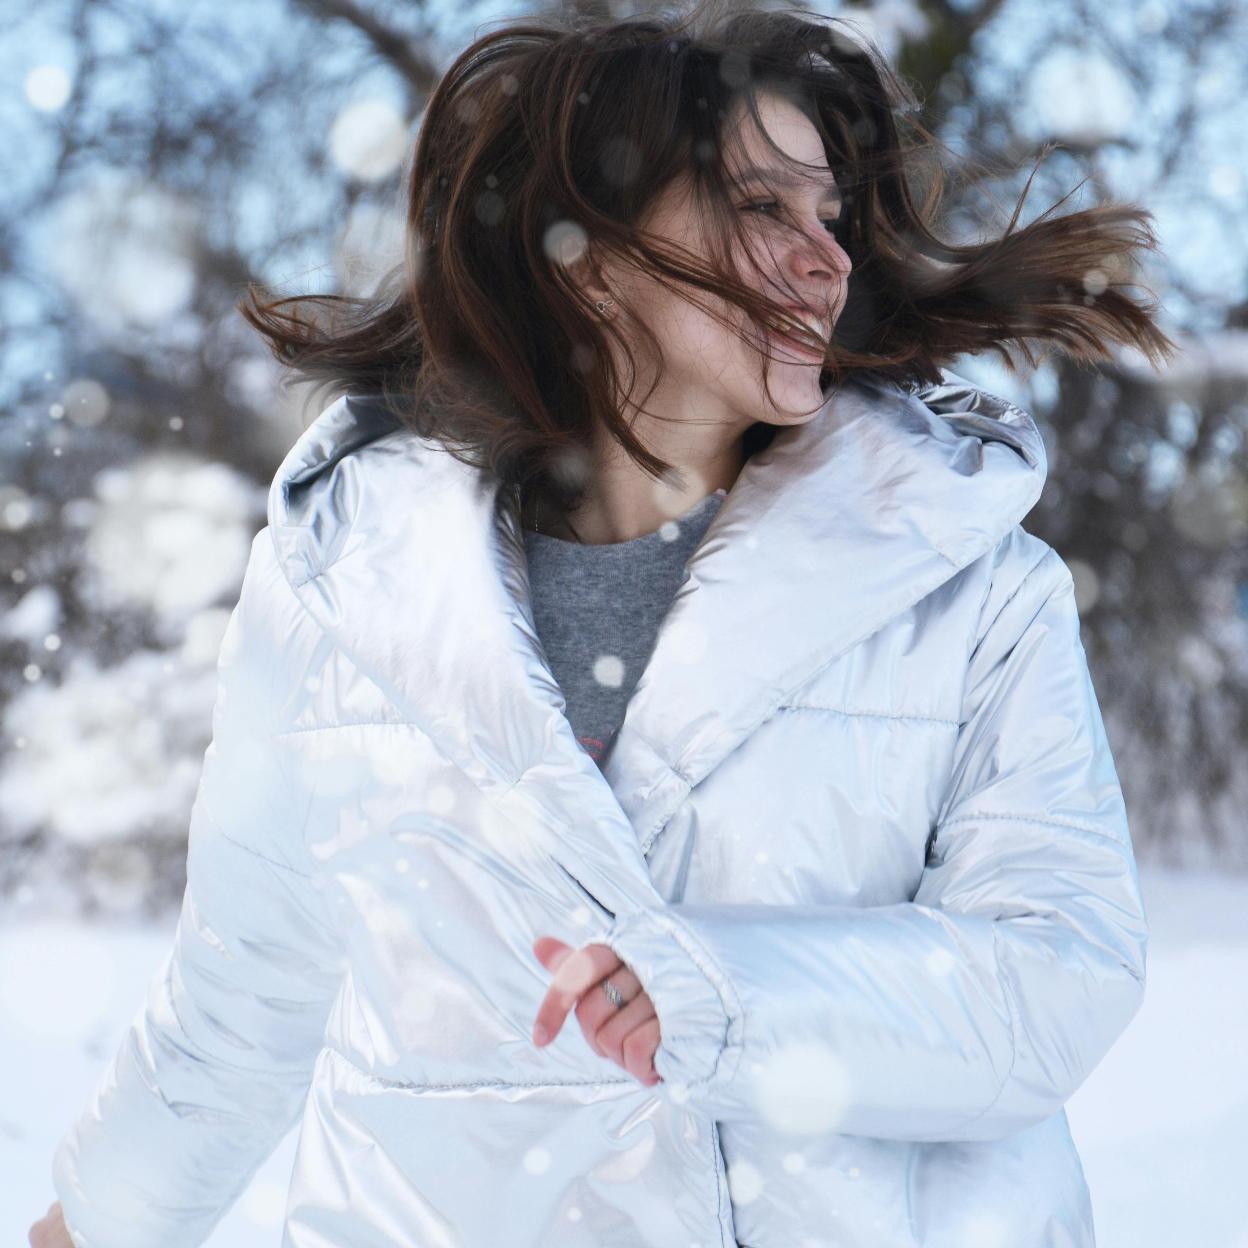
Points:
[[790, 134]]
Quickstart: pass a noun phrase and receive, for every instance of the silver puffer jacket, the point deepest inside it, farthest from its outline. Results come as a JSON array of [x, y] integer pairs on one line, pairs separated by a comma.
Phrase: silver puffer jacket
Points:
[[860, 836]]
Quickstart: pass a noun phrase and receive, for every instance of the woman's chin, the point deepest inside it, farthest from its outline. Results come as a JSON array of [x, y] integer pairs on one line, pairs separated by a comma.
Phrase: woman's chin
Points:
[[797, 400]]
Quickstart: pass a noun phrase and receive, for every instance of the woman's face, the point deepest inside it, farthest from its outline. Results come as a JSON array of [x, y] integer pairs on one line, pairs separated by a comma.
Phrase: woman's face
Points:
[[710, 373]]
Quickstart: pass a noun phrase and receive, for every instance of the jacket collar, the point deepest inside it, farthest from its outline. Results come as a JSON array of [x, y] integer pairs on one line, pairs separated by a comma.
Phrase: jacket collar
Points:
[[414, 563]]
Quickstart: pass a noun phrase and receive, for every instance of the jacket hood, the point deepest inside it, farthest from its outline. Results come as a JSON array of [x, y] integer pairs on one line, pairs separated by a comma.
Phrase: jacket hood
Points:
[[412, 560], [955, 414]]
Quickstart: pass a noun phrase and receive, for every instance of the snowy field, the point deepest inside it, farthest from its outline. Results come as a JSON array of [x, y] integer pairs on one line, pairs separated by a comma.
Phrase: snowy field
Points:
[[1162, 1124]]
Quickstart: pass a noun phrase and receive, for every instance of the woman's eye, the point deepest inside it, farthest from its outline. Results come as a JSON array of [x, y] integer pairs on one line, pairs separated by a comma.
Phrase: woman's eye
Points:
[[833, 224]]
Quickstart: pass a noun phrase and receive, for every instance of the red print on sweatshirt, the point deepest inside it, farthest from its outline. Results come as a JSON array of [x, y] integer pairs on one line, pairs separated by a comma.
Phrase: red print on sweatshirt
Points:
[[592, 746]]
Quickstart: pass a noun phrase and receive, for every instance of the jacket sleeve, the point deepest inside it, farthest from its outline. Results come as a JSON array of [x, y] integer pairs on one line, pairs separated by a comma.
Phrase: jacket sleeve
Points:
[[979, 1007], [214, 1068]]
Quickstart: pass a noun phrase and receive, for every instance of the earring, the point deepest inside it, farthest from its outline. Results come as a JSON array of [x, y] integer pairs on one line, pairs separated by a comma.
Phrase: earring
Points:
[[603, 304]]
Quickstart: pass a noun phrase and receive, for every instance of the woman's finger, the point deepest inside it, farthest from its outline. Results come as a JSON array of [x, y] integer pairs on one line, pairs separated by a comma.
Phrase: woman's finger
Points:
[[595, 1007], [50, 1230], [610, 1036], [574, 976], [640, 1046]]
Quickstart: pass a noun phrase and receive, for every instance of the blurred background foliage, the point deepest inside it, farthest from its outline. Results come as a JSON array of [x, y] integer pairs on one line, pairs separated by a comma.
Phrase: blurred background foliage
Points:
[[161, 154]]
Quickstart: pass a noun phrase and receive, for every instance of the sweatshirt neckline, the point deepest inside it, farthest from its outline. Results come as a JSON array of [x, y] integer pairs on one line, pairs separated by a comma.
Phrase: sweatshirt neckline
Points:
[[655, 537]]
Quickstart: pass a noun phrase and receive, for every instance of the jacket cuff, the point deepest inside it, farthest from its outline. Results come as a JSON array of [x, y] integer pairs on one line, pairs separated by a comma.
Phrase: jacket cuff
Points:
[[700, 1016]]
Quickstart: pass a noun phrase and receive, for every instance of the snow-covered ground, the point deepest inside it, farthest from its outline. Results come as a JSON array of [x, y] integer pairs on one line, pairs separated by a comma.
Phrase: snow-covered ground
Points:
[[1162, 1124]]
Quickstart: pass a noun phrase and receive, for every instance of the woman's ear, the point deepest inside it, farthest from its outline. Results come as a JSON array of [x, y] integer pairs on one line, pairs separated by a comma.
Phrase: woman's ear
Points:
[[592, 281], [590, 273]]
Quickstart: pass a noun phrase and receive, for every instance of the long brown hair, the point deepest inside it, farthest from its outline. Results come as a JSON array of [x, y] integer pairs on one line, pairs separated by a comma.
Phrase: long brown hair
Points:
[[550, 138]]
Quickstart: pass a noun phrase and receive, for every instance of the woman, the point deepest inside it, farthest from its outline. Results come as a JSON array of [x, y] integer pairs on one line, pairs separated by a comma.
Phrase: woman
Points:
[[846, 906]]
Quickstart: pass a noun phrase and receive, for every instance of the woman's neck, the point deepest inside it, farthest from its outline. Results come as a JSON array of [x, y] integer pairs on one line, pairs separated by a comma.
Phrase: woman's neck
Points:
[[623, 502]]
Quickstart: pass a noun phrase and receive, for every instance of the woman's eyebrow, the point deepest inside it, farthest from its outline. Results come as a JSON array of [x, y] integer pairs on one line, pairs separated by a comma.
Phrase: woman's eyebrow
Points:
[[780, 177]]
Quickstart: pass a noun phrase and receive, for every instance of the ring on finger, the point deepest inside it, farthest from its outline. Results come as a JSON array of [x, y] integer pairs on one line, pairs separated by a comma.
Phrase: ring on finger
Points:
[[613, 994], [621, 987]]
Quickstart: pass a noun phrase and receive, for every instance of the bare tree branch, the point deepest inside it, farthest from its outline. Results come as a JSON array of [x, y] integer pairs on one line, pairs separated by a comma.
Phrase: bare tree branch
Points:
[[391, 45]]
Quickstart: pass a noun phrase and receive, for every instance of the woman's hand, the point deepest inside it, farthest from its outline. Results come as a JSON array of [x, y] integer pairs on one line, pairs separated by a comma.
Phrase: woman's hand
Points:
[[628, 1035], [49, 1231]]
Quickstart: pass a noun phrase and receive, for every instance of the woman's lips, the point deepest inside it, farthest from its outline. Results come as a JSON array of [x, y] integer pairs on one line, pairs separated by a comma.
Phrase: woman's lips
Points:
[[811, 353]]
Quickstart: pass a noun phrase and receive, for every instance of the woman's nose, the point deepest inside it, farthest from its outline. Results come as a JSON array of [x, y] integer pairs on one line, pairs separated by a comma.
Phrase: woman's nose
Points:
[[843, 263], [839, 257], [812, 254]]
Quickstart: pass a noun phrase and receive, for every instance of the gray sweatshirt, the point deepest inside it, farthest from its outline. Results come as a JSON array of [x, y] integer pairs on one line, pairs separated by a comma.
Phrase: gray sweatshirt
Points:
[[597, 611]]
